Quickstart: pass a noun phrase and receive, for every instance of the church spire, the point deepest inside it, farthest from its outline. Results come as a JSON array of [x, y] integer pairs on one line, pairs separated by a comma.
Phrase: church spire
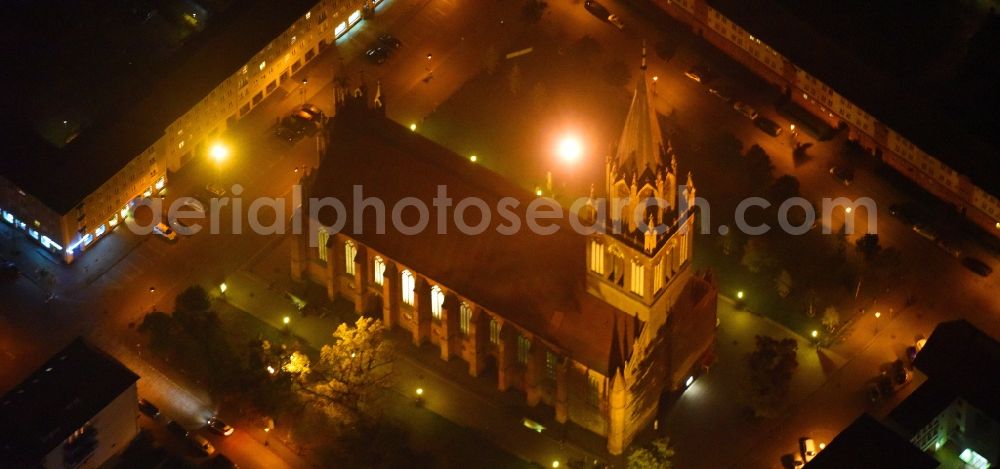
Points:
[[641, 144]]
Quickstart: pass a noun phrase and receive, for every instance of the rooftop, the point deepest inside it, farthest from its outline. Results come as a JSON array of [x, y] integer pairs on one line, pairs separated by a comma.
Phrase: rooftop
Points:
[[921, 407], [58, 399], [963, 358], [117, 74], [926, 69], [536, 281], [867, 444]]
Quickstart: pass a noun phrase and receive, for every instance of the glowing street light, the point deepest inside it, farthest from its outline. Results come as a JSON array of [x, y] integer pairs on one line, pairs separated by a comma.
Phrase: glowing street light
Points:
[[219, 152], [814, 333], [223, 287], [878, 314], [270, 369], [739, 295], [413, 127], [848, 209], [420, 391], [555, 463], [570, 149], [286, 320], [473, 158]]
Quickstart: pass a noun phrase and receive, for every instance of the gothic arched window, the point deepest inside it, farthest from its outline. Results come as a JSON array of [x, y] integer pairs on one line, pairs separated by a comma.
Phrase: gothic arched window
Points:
[[437, 302], [378, 270], [350, 252], [408, 285], [322, 238]]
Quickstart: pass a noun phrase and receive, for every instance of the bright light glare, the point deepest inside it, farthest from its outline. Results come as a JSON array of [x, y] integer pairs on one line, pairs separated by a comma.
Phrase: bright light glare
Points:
[[739, 294], [218, 152], [420, 391], [815, 333], [570, 149], [473, 158], [689, 381], [286, 320], [413, 127]]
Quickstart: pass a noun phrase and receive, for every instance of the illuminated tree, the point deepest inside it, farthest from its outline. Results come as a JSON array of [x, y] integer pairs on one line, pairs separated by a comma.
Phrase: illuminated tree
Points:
[[655, 455], [352, 371], [831, 318]]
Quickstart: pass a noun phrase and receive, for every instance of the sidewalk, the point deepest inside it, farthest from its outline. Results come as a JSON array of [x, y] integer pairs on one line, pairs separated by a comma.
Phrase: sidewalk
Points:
[[449, 391]]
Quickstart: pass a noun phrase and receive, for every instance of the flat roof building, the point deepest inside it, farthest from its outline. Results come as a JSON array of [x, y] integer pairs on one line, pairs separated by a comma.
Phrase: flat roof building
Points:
[[77, 410], [867, 444], [105, 100]]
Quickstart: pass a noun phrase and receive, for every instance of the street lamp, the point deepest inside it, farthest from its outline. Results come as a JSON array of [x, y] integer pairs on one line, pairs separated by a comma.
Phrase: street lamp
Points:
[[286, 320], [814, 334], [877, 315], [413, 127], [473, 158], [223, 287], [270, 369], [739, 295], [302, 90], [570, 149], [219, 153]]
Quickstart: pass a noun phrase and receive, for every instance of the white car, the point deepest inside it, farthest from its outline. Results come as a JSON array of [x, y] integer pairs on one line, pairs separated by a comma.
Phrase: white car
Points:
[[163, 230], [615, 20]]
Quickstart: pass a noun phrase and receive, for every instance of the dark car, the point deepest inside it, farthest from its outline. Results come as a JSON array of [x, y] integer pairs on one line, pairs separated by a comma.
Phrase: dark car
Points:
[[843, 174], [884, 383], [176, 429], [977, 266], [148, 408], [899, 374], [377, 55], [700, 74], [219, 427], [596, 9], [873, 394], [389, 41], [315, 114], [768, 126]]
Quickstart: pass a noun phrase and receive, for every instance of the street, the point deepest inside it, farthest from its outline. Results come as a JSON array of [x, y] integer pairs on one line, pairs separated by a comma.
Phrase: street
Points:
[[105, 294]]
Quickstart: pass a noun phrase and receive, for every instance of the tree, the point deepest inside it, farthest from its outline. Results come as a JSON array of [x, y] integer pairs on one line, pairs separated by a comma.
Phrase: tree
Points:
[[868, 246], [757, 164], [831, 318], [655, 455], [353, 370], [755, 256], [782, 189], [784, 283], [193, 298], [534, 9], [772, 364]]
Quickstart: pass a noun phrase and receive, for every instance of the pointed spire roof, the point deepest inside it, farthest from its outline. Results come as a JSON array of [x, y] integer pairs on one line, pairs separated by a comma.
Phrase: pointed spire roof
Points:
[[641, 143]]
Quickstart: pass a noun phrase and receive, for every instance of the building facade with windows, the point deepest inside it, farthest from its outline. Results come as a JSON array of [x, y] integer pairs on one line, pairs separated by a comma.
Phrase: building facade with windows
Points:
[[68, 188], [77, 410], [925, 133], [555, 316]]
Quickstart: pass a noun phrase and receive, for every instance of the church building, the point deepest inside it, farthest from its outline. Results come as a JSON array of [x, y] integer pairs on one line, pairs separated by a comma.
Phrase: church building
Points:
[[597, 327]]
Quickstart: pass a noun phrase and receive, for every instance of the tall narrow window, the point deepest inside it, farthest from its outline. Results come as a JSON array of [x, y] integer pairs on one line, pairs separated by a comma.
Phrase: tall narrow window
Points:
[[617, 274], [465, 317], [378, 270], [350, 252], [494, 331], [408, 285], [638, 277], [596, 257], [593, 390], [322, 238], [523, 347], [437, 302], [551, 362], [685, 239], [658, 276]]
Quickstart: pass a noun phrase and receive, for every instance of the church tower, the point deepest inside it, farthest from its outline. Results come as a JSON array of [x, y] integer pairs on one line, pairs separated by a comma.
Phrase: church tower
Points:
[[647, 242]]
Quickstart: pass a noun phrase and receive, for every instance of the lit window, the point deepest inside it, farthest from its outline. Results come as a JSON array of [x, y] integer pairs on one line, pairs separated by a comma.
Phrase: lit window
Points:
[[355, 17], [465, 317], [437, 302], [340, 29], [494, 331], [87, 239], [180, 145], [160, 183], [101, 230], [523, 346], [322, 238], [596, 257], [379, 270], [262, 65], [123, 212], [148, 192], [113, 221], [350, 252], [638, 277], [658, 276], [408, 285], [551, 362]]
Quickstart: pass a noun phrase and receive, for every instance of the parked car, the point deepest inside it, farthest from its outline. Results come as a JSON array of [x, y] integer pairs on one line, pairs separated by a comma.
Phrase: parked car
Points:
[[950, 247], [745, 109], [177, 429], [721, 94], [388, 40], [699, 73], [843, 174], [977, 266], [215, 190], [148, 408], [314, 113], [616, 21], [900, 375], [163, 230], [200, 444], [218, 426], [873, 394], [377, 55], [925, 231], [808, 448], [769, 126], [596, 9], [884, 383]]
